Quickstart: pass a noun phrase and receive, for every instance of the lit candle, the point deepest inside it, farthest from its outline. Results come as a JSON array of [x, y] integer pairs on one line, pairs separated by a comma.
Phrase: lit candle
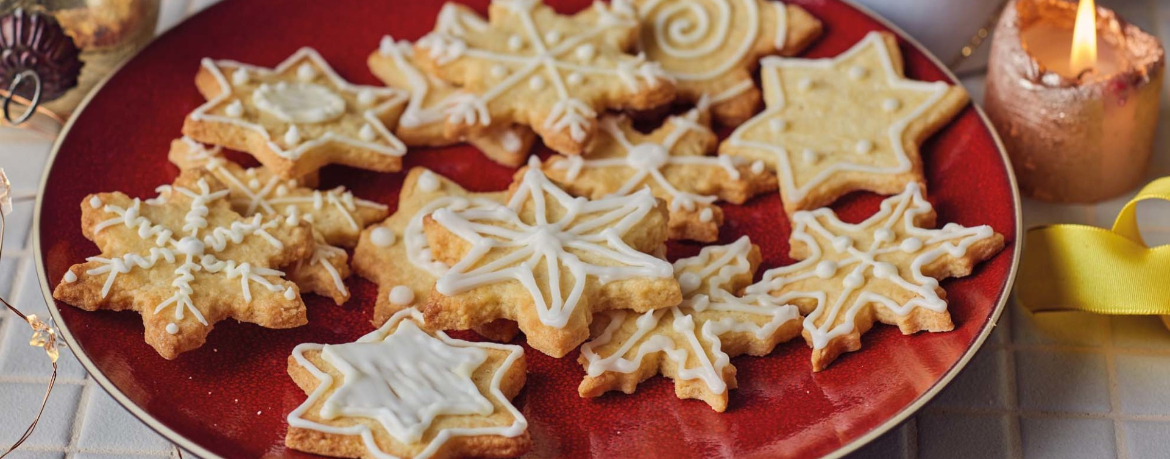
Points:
[[1074, 93]]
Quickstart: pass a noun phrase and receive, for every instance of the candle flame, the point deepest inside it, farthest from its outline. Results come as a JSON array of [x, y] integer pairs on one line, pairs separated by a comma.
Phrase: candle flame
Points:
[[1084, 47]]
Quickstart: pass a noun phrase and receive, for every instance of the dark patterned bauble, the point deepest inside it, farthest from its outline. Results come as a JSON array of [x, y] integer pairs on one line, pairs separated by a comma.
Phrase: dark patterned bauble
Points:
[[35, 41]]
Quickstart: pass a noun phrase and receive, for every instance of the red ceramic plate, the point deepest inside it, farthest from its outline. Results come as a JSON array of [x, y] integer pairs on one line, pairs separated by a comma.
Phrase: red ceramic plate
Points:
[[229, 398]]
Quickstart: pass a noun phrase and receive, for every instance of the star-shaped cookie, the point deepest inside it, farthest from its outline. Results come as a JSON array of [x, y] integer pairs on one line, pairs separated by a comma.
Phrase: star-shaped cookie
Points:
[[395, 253], [424, 121], [693, 342], [336, 215], [885, 269], [549, 261], [404, 392], [712, 47], [532, 66], [853, 122], [185, 260], [673, 161], [297, 117]]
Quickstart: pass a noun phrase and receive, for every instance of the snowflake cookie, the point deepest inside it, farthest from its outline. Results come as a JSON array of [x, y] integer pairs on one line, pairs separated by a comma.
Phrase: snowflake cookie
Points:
[[336, 215], [692, 342], [404, 392], [185, 260], [548, 261], [884, 269], [424, 122], [673, 162], [532, 66], [711, 47], [395, 253], [297, 117], [853, 122]]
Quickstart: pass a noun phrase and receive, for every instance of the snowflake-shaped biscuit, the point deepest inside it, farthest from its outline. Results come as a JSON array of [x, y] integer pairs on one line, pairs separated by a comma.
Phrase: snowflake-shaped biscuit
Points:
[[885, 269], [673, 161], [532, 66], [395, 253], [693, 342], [853, 122], [404, 392], [336, 215], [297, 117], [711, 47], [424, 121], [185, 260], [548, 261]]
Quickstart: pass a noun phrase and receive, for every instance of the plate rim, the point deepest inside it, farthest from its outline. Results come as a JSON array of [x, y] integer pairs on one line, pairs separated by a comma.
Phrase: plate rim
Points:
[[182, 442]]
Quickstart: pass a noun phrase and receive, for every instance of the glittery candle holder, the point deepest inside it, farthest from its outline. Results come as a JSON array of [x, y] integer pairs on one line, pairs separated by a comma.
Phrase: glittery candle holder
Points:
[[1073, 138]]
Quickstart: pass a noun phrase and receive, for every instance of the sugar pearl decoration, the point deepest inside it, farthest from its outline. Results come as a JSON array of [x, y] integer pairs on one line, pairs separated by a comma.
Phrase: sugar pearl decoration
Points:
[[240, 76], [857, 72], [891, 104], [292, 136], [366, 133], [515, 42], [863, 147], [585, 51], [401, 295], [305, 72], [706, 215], [804, 84], [536, 83], [427, 182], [689, 282], [382, 236], [234, 109], [777, 125], [172, 328]]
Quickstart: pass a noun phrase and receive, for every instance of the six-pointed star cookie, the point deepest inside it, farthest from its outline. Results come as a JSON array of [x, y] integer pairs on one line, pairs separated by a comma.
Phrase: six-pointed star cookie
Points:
[[185, 260], [692, 342], [424, 121], [711, 47], [336, 215], [395, 253], [884, 269], [297, 117], [403, 392], [548, 261], [848, 123], [673, 162], [534, 67]]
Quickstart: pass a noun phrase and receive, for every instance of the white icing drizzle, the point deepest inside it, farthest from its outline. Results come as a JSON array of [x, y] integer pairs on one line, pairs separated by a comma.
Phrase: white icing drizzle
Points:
[[647, 160], [415, 241], [298, 102], [687, 30], [593, 227], [770, 70], [708, 276], [234, 111], [191, 253], [541, 64], [403, 379], [895, 219]]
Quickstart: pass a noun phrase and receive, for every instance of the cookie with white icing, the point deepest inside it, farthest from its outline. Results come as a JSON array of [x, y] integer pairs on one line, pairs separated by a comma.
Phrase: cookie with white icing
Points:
[[674, 162], [885, 269], [852, 122], [549, 261], [297, 117], [395, 253], [424, 121], [691, 343], [336, 215], [712, 47], [404, 392], [530, 66], [185, 260]]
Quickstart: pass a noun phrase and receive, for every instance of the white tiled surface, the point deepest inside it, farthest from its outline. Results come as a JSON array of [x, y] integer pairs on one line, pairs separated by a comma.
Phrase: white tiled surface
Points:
[[1062, 385]]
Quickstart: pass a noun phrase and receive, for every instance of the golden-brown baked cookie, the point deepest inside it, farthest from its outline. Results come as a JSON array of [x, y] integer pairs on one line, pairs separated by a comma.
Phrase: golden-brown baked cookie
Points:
[[185, 260], [853, 122], [885, 269], [404, 392], [548, 261]]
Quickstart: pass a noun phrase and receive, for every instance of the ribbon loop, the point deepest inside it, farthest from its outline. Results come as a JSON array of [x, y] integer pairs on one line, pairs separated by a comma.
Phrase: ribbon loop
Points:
[[1085, 268]]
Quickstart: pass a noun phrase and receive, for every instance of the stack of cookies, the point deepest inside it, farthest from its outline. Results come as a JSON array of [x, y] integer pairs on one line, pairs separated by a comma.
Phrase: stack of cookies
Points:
[[572, 254]]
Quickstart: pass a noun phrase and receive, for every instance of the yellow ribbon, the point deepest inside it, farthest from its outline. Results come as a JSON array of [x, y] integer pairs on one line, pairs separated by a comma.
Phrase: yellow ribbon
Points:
[[1085, 268]]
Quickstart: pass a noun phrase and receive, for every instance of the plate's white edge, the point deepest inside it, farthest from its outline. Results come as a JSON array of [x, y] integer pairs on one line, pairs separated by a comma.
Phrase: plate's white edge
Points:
[[850, 447]]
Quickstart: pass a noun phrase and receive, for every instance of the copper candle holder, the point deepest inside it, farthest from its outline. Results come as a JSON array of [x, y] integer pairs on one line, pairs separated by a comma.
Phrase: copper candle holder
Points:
[[1073, 137]]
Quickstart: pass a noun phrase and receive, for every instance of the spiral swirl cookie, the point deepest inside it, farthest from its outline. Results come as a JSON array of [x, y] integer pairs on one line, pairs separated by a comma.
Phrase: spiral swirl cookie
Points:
[[711, 47]]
